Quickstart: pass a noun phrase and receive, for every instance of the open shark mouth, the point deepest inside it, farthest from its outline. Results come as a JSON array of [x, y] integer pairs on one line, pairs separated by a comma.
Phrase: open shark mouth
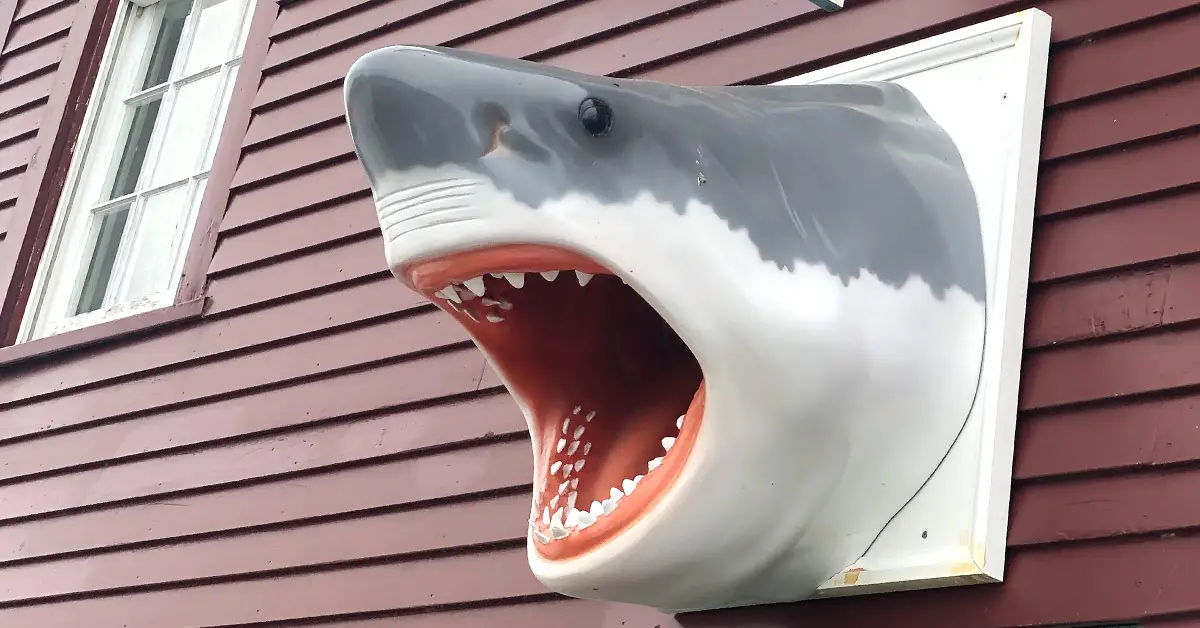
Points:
[[613, 395]]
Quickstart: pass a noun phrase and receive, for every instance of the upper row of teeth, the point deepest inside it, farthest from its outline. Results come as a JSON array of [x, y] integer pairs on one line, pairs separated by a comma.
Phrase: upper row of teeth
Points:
[[563, 520], [474, 287]]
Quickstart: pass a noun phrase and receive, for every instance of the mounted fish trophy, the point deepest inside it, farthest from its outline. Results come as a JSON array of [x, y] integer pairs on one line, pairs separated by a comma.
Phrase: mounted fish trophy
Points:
[[744, 324]]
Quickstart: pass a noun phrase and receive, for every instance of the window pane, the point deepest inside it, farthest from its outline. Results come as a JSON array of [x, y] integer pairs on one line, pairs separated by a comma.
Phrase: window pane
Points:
[[216, 134], [217, 26], [133, 154], [109, 231], [158, 235], [186, 135], [166, 42]]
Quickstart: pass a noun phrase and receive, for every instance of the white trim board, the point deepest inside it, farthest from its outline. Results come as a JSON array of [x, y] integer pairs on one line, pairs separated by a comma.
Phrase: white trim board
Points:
[[985, 84]]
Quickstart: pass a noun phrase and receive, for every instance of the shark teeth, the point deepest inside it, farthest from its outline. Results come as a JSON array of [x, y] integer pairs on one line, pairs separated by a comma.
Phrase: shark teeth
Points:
[[570, 455], [458, 294]]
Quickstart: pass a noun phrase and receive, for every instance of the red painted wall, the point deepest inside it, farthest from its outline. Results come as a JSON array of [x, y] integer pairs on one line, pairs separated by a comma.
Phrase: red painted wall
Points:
[[323, 446]]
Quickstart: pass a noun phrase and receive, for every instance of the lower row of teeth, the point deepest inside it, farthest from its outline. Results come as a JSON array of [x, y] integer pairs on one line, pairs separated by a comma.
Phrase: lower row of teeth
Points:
[[560, 517], [456, 294]]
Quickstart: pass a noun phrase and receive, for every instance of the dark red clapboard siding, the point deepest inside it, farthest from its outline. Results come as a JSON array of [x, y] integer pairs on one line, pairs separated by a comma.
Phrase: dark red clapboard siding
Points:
[[325, 448]]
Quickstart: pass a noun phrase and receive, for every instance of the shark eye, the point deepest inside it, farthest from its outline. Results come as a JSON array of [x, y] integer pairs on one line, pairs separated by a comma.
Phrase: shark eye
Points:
[[596, 116]]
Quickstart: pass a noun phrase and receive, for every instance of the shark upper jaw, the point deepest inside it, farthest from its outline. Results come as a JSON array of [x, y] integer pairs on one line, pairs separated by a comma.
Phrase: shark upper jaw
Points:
[[613, 397]]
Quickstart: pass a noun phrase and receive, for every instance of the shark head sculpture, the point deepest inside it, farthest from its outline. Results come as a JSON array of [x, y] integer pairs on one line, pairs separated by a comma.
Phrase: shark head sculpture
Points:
[[744, 324]]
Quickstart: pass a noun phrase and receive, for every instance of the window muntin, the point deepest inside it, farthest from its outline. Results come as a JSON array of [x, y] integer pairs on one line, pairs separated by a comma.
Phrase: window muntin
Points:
[[142, 162]]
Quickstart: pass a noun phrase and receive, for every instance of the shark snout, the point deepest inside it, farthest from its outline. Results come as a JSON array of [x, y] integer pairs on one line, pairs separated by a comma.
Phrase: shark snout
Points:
[[404, 111]]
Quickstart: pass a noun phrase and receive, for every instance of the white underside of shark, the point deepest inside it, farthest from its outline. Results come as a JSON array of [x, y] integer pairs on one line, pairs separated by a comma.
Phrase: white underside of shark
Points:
[[828, 405]]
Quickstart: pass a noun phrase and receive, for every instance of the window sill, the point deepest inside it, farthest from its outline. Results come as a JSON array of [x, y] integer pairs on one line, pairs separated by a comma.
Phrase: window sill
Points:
[[101, 333]]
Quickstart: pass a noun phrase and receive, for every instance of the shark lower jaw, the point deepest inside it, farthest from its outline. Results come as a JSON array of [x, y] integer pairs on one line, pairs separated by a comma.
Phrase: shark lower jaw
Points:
[[613, 395]]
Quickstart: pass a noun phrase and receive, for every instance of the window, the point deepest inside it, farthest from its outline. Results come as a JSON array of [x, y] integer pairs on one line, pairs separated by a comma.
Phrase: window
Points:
[[141, 163]]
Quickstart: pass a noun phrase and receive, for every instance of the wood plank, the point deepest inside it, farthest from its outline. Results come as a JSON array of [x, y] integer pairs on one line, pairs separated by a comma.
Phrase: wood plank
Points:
[[348, 24], [305, 450], [439, 527], [309, 112], [711, 23], [1124, 59], [324, 145], [1110, 370], [277, 413], [413, 483], [785, 51], [574, 23], [1046, 586], [1182, 303], [1126, 117], [1125, 175], [433, 581], [1136, 434], [797, 48], [1074, 19], [331, 143], [351, 219], [1102, 507], [530, 613], [353, 305], [326, 72], [322, 185], [438, 29], [1081, 509], [296, 16], [1152, 230], [406, 338], [1113, 441], [353, 261], [1133, 300], [1087, 589], [539, 612], [1189, 620]]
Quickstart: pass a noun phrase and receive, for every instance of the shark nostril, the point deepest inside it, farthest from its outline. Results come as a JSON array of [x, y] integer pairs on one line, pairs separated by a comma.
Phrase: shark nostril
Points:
[[496, 143]]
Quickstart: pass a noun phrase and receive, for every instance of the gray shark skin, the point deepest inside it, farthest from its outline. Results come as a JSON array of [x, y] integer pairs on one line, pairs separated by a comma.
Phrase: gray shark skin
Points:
[[817, 247], [872, 183]]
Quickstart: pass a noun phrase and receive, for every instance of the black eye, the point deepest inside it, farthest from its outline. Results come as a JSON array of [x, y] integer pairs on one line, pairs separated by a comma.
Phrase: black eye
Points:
[[596, 116]]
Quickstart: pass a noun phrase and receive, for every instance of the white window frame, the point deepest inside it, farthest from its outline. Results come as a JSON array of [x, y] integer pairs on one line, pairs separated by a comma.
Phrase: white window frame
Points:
[[57, 286]]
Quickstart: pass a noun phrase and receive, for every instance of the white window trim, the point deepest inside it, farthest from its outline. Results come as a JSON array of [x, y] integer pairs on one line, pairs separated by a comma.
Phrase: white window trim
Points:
[[57, 282]]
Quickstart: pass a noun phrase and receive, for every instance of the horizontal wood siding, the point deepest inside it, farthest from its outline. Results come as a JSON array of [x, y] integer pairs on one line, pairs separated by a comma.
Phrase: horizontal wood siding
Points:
[[326, 449]]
